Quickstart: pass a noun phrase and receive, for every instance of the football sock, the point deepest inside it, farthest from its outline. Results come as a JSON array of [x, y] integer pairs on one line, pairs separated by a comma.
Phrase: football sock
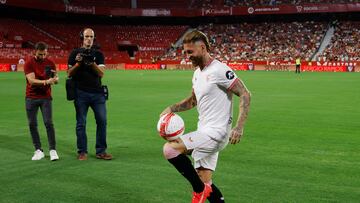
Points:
[[183, 164], [215, 195]]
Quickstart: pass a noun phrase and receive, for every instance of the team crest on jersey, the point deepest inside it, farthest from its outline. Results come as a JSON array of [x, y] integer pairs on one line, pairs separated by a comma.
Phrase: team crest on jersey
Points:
[[230, 75], [208, 78]]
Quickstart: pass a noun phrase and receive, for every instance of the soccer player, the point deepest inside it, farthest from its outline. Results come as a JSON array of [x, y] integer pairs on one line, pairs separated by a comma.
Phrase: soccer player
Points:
[[213, 85], [40, 74]]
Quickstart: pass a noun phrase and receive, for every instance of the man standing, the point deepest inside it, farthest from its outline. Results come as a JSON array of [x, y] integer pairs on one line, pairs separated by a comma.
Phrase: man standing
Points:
[[297, 65], [86, 67], [40, 74], [213, 86]]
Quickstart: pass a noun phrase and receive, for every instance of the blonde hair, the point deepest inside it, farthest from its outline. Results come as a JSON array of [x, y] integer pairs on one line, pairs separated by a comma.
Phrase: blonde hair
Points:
[[196, 36]]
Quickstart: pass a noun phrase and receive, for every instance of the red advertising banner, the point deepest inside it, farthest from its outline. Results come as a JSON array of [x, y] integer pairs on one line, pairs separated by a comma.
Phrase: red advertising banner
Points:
[[142, 66], [328, 68], [292, 9], [59, 6], [80, 9], [156, 12], [37, 4], [4, 67], [244, 67], [217, 12], [125, 12]]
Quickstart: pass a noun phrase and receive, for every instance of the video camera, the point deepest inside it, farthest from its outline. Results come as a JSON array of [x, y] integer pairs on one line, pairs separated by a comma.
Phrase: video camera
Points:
[[88, 56], [49, 72]]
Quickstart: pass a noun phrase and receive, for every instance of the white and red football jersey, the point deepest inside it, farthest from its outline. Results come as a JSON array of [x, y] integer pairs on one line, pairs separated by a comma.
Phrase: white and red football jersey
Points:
[[214, 100]]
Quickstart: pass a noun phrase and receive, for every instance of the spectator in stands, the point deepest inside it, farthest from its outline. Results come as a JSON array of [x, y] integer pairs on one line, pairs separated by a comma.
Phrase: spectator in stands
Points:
[[272, 3], [40, 74], [344, 44], [183, 61], [86, 67]]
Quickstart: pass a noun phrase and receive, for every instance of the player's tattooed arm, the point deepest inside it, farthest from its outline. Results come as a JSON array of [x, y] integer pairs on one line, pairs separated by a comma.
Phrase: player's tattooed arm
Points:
[[186, 104], [244, 105]]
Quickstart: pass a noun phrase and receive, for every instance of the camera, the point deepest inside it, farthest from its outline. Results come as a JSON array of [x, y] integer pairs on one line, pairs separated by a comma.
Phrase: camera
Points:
[[49, 72], [88, 56]]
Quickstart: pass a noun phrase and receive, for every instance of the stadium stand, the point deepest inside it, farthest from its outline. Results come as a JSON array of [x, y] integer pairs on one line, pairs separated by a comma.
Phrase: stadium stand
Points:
[[151, 40], [262, 41], [345, 44], [245, 41], [232, 42], [17, 32]]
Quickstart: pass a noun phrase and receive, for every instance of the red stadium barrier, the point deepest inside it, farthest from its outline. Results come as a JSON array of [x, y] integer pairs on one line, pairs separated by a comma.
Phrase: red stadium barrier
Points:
[[62, 66], [5, 67]]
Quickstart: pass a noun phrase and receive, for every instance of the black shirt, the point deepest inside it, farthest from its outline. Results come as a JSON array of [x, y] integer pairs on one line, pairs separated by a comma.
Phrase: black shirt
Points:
[[85, 77]]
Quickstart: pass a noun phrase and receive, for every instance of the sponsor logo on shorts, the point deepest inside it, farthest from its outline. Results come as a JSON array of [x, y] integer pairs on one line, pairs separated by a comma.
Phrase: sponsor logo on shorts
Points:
[[190, 139]]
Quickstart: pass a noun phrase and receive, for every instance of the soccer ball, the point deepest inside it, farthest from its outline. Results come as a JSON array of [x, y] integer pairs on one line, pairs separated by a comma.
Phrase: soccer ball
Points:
[[170, 126]]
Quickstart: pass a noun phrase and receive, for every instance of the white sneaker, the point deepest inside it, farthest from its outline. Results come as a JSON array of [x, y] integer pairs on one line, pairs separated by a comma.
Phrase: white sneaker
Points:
[[53, 155], [38, 154]]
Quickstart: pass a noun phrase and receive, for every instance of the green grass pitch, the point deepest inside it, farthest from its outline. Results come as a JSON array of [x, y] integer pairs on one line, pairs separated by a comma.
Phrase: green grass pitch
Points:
[[301, 142]]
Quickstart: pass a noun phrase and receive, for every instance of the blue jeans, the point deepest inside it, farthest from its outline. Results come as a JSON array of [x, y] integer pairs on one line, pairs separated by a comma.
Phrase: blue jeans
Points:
[[82, 102]]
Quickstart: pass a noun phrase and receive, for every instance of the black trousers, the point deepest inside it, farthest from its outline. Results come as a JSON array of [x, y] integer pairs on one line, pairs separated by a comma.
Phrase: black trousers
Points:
[[32, 108], [297, 69]]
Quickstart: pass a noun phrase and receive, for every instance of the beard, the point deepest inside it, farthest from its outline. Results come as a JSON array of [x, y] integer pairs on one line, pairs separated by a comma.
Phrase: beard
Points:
[[197, 61], [39, 59]]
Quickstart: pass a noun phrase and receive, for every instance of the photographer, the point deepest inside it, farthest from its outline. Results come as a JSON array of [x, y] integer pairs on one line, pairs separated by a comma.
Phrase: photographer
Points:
[[86, 68], [40, 74]]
